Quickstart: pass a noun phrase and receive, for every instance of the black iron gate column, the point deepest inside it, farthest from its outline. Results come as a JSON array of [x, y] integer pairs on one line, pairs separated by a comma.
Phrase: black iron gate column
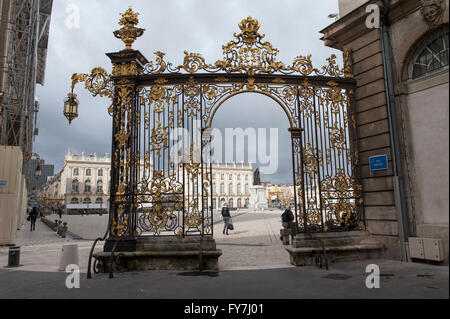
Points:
[[299, 183], [125, 157]]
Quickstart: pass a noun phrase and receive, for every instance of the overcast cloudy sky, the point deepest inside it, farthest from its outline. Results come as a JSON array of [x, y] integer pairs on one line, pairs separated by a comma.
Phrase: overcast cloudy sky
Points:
[[172, 26]]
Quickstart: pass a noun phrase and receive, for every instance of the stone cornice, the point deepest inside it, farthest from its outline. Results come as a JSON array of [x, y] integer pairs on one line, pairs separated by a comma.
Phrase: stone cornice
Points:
[[352, 26]]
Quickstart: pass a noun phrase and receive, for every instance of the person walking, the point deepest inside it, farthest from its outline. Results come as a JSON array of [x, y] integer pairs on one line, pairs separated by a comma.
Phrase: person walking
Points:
[[226, 218], [60, 212], [287, 221], [33, 216]]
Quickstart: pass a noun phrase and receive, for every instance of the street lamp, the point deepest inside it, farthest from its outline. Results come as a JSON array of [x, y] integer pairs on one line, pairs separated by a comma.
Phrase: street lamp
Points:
[[27, 156], [38, 171], [2, 94], [71, 107]]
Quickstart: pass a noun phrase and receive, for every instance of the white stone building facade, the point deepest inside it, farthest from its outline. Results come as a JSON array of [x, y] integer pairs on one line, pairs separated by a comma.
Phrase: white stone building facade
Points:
[[85, 179], [231, 185]]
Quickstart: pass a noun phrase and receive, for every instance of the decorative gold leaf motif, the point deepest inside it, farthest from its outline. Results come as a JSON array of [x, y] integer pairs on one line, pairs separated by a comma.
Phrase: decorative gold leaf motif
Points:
[[122, 138], [159, 138], [221, 79], [338, 139], [341, 196], [303, 65], [278, 80], [192, 93], [312, 159], [193, 62]]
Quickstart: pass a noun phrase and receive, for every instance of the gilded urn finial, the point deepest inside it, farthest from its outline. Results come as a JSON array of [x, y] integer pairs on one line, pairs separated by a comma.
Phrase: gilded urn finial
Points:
[[129, 33]]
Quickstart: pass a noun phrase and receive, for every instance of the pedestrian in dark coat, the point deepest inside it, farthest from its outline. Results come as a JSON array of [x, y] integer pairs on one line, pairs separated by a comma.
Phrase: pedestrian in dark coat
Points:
[[33, 216], [226, 218], [287, 221]]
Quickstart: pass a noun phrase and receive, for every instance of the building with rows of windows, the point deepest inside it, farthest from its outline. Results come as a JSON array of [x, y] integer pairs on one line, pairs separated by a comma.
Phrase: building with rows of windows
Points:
[[231, 185], [85, 180]]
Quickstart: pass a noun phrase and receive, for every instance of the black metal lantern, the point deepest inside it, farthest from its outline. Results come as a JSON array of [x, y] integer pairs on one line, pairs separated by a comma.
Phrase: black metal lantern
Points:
[[1, 107], [71, 107], [38, 171]]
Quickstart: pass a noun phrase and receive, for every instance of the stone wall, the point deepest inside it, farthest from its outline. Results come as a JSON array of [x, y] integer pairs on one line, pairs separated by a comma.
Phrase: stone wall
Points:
[[423, 136], [374, 139]]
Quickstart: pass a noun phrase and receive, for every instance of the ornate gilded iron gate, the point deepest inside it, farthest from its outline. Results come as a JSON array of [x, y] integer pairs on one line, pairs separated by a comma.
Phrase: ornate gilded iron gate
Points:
[[159, 188]]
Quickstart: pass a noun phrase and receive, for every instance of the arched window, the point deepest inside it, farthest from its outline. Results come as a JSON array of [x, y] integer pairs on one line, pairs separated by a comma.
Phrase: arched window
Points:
[[87, 200], [75, 201], [87, 186], [231, 203], [100, 186], [75, 186], [239, 203], [99, 200], [431, 57]]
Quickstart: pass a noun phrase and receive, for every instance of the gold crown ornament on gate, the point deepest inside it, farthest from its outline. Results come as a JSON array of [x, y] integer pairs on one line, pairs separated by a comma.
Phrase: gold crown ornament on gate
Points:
[[249, 28], [129, 33]]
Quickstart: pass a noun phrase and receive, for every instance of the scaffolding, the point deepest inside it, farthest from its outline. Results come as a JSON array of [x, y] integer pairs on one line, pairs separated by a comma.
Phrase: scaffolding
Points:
[[24, 32]]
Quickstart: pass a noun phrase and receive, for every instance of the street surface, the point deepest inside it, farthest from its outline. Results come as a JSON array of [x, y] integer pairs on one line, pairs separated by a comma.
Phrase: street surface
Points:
[[254, 265]]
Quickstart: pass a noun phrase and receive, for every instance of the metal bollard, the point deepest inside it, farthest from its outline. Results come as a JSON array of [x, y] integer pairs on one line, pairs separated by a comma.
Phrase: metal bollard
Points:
[[63, 231], [14, 256], [58, 228]]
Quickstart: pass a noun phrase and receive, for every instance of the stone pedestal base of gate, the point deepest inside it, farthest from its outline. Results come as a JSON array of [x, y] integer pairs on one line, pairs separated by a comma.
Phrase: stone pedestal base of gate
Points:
[[339, 247], [164, 253]]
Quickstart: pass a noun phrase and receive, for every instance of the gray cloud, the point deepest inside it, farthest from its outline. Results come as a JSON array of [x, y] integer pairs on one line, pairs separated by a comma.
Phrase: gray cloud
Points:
[[172, 26]]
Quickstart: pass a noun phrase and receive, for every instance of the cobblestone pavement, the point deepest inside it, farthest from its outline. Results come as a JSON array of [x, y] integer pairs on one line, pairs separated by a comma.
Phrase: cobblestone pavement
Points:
[[42, 236], [254, 264], [254, 244]]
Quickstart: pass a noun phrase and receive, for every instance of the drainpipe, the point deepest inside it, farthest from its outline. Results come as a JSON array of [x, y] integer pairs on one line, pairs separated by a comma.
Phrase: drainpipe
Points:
[[399, 190]]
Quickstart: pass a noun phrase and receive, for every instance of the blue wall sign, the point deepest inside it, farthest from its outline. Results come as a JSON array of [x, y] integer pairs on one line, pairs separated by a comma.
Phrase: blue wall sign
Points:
[[3, 184], [378, 163]]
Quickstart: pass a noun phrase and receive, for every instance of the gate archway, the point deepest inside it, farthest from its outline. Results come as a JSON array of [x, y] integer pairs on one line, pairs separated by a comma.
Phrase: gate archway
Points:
[[161, 189]]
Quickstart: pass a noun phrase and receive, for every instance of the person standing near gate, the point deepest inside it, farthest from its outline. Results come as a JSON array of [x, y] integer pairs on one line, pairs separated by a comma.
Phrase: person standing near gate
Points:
[[226, 218], [287, 221], [33, 216]]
